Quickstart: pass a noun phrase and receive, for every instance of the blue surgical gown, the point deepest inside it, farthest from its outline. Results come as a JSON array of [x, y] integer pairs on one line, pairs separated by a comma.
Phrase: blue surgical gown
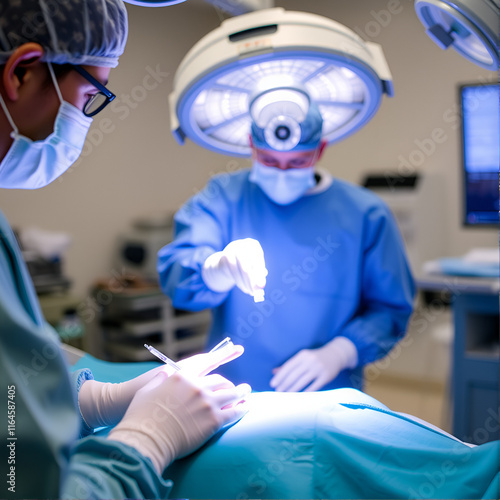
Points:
[[41, 422], [337, 267]]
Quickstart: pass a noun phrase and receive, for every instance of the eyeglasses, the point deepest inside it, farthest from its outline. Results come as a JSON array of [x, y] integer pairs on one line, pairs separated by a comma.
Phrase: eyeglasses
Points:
[[98, 101]]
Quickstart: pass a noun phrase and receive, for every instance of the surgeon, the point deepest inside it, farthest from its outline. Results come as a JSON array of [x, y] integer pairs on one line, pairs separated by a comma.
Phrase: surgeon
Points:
[[308, 272], [55, 59]]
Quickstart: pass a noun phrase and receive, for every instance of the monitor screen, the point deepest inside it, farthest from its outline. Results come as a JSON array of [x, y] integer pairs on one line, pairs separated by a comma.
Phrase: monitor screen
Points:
[[480, 112]]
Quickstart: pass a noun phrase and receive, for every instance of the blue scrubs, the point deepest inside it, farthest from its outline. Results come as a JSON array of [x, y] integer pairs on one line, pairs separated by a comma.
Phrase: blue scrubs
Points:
[[41, 422], [336, 263]]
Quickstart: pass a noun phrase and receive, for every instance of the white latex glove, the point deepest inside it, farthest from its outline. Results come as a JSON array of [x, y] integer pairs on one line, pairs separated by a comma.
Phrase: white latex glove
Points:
[[241, 263], [311, 369], [104, 404], [171, 417]]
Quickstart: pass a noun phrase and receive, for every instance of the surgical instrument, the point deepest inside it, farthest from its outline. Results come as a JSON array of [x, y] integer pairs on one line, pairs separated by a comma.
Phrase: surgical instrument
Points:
[[222, 344], [162, 356]]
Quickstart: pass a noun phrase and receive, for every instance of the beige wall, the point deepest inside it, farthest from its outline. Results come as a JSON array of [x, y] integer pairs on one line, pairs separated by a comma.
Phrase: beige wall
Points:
[[132, 165]]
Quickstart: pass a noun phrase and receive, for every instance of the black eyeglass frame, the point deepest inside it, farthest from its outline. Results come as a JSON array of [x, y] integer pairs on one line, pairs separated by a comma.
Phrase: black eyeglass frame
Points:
[[99, 86]]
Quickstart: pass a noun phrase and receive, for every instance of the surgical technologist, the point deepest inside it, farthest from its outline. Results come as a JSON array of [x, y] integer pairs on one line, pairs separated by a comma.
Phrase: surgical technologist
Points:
[[53, 81], [338, 288]]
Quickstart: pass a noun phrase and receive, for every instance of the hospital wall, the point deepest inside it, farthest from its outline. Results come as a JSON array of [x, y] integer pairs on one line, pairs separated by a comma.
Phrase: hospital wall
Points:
[[132, 166]]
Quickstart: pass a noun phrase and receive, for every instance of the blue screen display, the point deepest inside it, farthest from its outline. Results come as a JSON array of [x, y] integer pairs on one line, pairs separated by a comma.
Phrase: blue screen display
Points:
[[480, 107]]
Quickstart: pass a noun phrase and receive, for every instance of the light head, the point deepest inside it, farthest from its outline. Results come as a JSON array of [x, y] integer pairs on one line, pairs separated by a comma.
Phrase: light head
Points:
[[285, 119]]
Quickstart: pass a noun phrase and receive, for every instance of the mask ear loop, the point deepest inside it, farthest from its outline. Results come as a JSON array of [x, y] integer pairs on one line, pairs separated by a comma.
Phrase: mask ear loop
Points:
[[15, 130], [315, 157], [54, 81]]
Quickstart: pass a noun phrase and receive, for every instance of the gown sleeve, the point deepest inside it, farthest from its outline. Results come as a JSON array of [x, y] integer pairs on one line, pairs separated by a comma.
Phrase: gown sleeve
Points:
[[388, 289], [199, 232], [46, 458]]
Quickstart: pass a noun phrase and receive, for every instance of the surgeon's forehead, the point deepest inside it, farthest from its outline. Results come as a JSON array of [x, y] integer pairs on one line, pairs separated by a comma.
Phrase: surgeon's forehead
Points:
[[284, 155]]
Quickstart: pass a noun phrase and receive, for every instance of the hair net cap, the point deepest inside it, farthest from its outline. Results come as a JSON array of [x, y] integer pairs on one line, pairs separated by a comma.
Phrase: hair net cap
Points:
[[310, 132], [88, 32]]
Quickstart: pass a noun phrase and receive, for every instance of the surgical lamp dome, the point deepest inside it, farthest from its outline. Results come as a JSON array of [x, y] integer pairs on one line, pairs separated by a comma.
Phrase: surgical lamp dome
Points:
[[471, 27], [238, 70], [290, 102]]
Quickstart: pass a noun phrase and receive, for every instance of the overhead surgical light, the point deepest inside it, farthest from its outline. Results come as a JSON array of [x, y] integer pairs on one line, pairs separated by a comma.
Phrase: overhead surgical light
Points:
[[273, 56], [153, 3], [279, 107], [471, 27]]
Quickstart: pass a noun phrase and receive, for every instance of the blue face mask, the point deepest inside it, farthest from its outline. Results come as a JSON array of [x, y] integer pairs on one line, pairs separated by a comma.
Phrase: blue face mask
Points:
[[282, 186], [34, 164]]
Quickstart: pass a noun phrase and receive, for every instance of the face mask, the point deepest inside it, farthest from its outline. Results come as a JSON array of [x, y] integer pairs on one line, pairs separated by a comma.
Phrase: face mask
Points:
[[34, 164], [282, 186]]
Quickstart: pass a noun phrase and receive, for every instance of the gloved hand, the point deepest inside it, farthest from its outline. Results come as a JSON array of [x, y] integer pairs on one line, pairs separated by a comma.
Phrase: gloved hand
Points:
[[202, 364], [241, 263], [171, 417], [311, 369], [104, 404]]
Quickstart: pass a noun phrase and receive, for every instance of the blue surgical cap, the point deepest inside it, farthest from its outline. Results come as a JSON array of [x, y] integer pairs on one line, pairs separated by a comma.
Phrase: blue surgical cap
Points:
[[310, 132], [88, 32]]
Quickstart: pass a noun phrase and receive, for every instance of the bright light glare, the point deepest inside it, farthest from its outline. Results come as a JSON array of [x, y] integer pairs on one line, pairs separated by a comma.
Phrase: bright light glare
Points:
[[221, 111], [293, 103]]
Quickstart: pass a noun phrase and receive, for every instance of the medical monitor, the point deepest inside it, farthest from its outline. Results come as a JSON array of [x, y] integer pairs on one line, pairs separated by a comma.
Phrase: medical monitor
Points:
[[480, 116]]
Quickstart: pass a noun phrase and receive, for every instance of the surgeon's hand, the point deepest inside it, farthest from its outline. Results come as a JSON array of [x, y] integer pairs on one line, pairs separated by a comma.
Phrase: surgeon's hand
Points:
[[171, 417], [312, 369], [203, 364], [104, 404], [241, 263]]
